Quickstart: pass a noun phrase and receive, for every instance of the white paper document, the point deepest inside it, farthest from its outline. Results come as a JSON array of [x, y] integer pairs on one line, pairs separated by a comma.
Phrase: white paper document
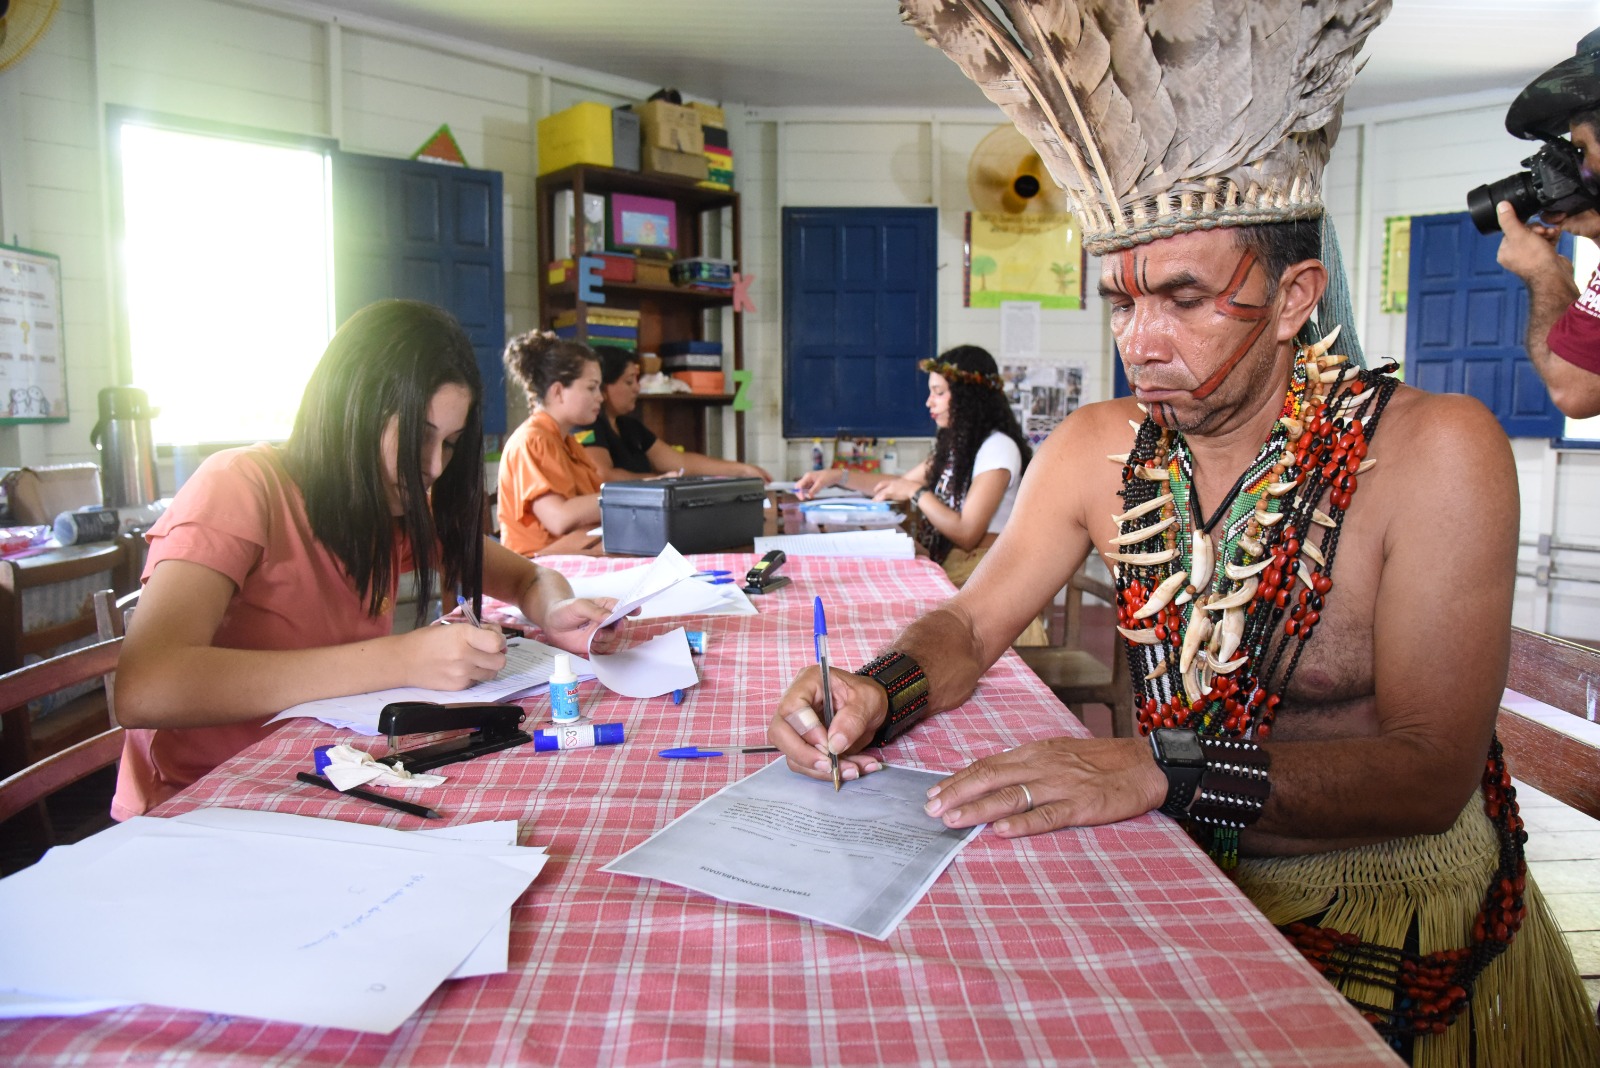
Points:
[[649, 668], [280, 917], [527, 670], [690, 597], [877, 544], [859, 859]]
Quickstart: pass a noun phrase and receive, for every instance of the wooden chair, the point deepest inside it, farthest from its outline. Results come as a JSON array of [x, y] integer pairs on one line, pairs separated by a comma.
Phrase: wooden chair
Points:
[[1078, 677], [40, 779], [1547, 750], [46, 603]]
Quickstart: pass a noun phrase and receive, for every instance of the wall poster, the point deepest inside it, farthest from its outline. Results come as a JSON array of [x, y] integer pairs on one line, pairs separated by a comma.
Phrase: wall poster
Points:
[[33, 372], [1023, 257], [1042, 393], [1396, 264]]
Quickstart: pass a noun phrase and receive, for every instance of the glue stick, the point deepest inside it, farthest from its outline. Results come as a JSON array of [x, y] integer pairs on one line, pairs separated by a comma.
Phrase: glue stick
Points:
[[577, 736], [563, 691]]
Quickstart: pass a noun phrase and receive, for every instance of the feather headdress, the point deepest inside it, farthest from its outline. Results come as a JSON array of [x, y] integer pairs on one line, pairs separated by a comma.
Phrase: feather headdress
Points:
[[1162, 116]]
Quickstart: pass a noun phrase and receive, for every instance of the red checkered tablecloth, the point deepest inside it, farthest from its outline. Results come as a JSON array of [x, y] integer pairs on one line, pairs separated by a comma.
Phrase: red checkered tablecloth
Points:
[[1115, 945]]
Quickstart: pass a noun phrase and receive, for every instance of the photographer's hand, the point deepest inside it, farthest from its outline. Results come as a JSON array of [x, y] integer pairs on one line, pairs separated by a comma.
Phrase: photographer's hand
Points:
[[1529, 252]]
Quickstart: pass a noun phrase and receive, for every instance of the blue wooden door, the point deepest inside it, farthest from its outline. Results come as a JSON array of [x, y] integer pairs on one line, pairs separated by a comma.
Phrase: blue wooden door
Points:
[[425, 231], [858, 313], [1466, 317]]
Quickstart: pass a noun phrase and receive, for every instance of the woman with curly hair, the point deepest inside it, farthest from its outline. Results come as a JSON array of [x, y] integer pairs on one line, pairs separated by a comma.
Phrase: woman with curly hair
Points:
[[966, 487], [548, 484]]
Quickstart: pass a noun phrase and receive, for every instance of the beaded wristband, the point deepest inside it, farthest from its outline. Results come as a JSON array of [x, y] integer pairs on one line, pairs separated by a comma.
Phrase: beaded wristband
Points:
[[907, 687], [1234, 787]]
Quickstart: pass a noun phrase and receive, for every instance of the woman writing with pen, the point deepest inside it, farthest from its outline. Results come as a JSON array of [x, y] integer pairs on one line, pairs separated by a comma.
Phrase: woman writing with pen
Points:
[[966, 487], [271, 579]]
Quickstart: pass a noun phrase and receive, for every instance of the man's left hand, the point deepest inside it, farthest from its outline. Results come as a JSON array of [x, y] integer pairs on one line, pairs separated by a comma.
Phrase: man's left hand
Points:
[[1070, 782]]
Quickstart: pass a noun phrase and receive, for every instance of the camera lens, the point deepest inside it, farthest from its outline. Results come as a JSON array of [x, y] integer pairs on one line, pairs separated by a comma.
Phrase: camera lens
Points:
[[1518, 189]]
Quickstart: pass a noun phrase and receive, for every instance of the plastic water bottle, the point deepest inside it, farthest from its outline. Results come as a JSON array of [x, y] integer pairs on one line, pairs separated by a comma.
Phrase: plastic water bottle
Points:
[[563, 691], [891, 457], [816, 454]]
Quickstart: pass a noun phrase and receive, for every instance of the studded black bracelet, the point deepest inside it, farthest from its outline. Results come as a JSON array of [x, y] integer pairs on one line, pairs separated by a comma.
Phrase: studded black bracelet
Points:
[[1234, 787], [907, 687]]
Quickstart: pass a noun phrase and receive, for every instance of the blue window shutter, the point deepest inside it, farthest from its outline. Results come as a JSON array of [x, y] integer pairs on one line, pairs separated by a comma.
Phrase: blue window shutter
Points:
[[1465, 323], [424, 231], [859, 303]]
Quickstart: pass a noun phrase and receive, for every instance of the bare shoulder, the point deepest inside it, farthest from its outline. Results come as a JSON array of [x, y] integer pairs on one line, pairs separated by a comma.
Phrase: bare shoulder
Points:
[[1428, 435]]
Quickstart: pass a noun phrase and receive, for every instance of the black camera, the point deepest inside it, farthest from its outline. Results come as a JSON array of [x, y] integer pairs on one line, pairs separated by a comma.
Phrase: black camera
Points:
[[1552, 182]]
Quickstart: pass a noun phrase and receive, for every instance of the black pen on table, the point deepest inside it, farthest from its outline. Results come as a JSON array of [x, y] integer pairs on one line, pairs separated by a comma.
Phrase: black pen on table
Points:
[[367, 795], [819, 632]]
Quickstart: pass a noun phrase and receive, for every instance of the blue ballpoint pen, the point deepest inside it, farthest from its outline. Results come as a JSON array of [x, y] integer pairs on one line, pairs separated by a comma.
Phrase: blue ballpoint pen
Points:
[[466, 609], [693, 752], [712, 574], [819, 630]]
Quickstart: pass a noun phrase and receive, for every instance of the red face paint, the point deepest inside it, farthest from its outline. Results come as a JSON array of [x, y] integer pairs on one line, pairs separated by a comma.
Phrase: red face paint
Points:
[[1227, 304]]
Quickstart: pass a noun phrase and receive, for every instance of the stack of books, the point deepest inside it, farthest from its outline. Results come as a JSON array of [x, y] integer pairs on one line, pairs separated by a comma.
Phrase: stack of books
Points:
[[719, 156], [605, 326]]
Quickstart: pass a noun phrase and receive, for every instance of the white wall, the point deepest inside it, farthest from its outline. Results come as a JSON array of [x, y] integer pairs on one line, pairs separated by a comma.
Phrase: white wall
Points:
[[381, 89]]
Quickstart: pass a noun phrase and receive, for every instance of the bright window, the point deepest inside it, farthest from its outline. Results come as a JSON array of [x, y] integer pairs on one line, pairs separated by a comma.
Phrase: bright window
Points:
[[227, 268]]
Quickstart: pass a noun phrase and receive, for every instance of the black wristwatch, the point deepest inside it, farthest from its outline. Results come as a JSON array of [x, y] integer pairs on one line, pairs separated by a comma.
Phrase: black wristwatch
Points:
[[1179, 755]]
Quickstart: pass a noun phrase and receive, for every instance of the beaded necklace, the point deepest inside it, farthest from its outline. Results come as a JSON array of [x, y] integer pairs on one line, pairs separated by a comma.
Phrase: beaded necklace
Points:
[[1206, 649]]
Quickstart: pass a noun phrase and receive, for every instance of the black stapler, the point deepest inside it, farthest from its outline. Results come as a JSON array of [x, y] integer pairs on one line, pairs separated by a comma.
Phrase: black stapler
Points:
[[764, 577], [494, 727]]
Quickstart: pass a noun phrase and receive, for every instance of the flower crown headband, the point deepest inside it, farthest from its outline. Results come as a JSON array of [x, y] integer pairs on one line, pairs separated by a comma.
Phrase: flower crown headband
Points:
[[953, 373]]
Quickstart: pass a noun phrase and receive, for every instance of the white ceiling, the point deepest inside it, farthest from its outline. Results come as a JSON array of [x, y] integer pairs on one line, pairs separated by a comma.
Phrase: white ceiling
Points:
[[856, 53]]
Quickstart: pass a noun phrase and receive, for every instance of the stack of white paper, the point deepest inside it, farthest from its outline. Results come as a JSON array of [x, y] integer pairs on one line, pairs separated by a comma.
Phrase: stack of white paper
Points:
[[880, 544], [261, 914]]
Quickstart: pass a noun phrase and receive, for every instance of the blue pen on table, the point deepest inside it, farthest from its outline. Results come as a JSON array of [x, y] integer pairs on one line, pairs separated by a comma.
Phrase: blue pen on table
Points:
[[712, 574], [714, 581], [694, 752], [819, 638]]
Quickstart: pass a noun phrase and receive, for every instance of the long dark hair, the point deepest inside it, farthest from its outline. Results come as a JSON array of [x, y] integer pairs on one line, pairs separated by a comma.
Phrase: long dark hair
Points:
[[387, 361], [977, 408]]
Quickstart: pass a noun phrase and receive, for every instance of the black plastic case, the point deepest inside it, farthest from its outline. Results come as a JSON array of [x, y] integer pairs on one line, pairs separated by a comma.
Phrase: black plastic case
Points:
[[695, 513]]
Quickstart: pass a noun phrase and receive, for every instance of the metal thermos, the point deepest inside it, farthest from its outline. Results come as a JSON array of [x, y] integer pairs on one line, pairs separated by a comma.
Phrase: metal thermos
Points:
[[127, 457]]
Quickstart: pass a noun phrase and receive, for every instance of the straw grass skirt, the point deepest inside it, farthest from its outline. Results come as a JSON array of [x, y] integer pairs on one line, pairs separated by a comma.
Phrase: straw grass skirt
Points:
[[1529, 1006]]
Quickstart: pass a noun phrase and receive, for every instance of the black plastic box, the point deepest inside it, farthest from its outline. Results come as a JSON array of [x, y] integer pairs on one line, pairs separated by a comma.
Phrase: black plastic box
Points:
[[695, 513]]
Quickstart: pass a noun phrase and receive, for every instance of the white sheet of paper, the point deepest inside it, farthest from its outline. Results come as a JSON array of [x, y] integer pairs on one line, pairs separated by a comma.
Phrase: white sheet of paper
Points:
[[826, 491], [880, 544], [650, 668], [336, 932], [528, 667], [859, 859], [667, 569], [684, 598]]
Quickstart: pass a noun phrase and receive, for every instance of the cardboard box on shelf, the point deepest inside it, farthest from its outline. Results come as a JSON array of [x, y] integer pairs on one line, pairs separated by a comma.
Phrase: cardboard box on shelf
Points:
[[653, 272], [701, 381], [39, 494], [690, 165], [580, 134], [670, 126], [709, 114], [613, 268]]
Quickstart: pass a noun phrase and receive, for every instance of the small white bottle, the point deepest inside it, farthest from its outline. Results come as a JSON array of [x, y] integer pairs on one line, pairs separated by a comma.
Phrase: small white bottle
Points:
[[563, 691], [816, 454], [890, 464]]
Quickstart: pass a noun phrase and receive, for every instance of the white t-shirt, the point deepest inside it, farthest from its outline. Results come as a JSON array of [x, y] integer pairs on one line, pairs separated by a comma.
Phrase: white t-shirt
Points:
[[999, 453]]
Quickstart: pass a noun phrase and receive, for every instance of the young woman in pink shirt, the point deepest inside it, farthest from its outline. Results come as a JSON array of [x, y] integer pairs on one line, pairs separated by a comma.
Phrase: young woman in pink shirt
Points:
[[272, 578]]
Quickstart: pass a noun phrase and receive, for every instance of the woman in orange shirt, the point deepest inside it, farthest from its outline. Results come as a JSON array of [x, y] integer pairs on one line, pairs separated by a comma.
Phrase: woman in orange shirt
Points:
[[548, 484]]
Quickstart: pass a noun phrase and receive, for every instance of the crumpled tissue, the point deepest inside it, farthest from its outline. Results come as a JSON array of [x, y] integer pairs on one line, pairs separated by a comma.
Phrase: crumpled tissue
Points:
[[349, 767]]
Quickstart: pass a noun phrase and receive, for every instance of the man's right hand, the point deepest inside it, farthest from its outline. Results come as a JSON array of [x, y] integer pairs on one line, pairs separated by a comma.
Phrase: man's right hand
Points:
[[859, 708], [1528, 250]]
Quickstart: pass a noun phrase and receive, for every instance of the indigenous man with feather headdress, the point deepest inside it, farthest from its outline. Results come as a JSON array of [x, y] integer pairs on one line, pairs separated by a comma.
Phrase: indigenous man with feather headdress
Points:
[[1313, 563]]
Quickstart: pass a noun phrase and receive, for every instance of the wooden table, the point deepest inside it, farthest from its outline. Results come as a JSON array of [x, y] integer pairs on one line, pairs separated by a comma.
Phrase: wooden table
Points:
[[1114, 945]]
